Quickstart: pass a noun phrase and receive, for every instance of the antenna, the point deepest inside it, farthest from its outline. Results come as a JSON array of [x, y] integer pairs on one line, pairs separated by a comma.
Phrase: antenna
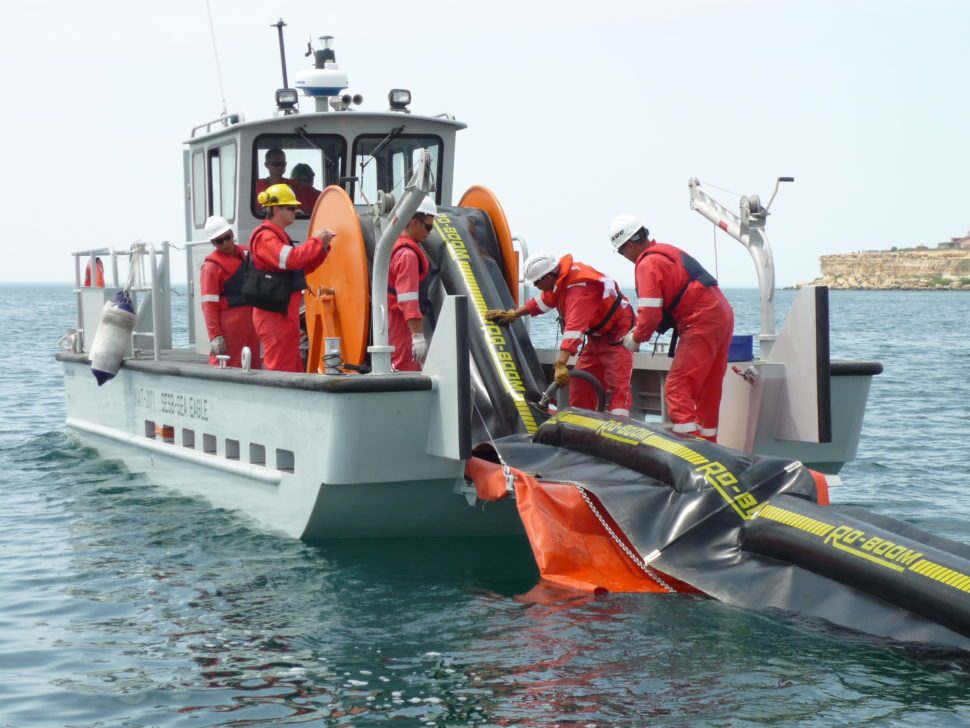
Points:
[[215, 52], [279, 25]]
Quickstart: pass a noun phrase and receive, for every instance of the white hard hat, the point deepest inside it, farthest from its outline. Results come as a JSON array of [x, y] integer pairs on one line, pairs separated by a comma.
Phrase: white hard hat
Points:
[[623, 227], [216, 226], [427, 207], [539, 265]]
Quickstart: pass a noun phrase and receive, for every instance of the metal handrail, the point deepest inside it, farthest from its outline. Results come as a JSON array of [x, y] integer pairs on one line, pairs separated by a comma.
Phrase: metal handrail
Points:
[[226, 120], [154, 286], [523, 286]]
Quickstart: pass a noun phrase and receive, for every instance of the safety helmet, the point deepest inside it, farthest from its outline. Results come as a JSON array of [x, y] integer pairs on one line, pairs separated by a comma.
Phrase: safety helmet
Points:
[[216, 226], [278, 195], [539, 265], [623, 227], [427, 207]]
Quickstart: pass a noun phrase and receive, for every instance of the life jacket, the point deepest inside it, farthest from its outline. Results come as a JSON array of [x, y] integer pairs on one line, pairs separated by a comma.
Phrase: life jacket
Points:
[[232, 287], [424, 280], [580, 274], [297, 277], [98, 276], [695, 274]]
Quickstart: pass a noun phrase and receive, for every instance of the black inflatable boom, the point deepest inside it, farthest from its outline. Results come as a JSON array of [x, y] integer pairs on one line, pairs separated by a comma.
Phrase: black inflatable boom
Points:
[[509, 378], [748, 530]]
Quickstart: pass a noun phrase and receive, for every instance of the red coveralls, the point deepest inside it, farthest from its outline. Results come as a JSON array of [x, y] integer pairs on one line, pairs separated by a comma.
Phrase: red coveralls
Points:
[[220, 283], [584, 297], [272, 249], [263, 183], [307, 195], [704, 322], [409, 266]]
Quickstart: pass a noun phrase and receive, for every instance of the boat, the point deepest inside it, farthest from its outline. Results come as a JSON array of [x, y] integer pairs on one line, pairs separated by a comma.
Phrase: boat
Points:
[[477, 444]]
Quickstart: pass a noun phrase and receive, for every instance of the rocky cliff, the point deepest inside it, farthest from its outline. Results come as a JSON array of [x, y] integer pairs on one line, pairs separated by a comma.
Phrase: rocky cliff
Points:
[[900, 269]]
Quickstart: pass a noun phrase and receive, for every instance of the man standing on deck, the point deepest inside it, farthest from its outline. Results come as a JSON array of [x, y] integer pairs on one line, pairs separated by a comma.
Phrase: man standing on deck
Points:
[[408, 270], [674, 290], [591, 306], [272, 250], [228, 320]]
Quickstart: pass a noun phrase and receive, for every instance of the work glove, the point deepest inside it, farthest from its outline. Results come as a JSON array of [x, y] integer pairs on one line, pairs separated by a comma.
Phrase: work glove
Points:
[[630, 343], [419, 348], [218, 345], [562, 374], [498, 316]]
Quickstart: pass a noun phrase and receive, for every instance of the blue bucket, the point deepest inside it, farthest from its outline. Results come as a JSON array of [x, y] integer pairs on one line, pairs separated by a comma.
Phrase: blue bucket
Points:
[[742, 348]]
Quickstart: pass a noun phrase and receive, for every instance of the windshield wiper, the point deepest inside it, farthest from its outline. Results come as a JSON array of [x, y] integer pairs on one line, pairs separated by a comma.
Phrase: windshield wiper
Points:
[[301, 130], [395, 133]]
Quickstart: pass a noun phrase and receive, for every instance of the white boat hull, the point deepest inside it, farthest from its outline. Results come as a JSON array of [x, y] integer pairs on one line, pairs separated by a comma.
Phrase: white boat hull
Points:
[[315, 463]]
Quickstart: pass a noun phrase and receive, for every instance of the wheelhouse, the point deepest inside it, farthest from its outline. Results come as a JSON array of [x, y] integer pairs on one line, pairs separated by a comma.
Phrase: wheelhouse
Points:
[[363, 152], [359, 151]]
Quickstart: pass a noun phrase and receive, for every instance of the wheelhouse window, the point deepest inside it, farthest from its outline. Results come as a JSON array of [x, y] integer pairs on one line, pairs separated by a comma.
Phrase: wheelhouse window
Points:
[[391, 167], [198, 188], [222, 181], [305, 162]]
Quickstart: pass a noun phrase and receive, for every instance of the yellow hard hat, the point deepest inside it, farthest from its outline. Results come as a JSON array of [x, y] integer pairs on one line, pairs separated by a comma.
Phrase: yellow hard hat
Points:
[[277, 195]]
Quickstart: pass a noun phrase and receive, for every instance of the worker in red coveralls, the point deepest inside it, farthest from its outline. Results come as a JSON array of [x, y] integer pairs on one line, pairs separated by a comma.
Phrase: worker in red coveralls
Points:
[[591, 306], [275, 162], [674, 290], [302, 186], [228, 321], [408, 269], [273, 250]]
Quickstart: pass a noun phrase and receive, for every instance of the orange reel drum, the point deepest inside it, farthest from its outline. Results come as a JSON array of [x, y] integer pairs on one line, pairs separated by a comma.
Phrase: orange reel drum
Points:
[[482, 198], [338, 292]]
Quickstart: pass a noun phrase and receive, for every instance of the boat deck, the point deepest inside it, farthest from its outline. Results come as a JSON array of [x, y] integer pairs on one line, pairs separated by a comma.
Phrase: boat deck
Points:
[[188, 363]]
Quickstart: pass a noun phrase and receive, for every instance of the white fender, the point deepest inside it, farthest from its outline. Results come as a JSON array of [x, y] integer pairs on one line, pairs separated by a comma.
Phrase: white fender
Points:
[[111, 339]]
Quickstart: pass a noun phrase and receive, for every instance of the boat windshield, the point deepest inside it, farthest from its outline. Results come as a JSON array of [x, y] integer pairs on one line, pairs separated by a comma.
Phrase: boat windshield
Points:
[[391, 167], [306, 162]]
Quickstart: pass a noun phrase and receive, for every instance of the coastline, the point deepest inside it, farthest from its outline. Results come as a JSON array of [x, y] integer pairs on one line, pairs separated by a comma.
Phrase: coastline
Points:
[[849, 284], [917, 269]]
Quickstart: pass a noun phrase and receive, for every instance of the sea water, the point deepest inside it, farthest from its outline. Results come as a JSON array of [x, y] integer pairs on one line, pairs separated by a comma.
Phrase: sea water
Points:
[[126, 604]]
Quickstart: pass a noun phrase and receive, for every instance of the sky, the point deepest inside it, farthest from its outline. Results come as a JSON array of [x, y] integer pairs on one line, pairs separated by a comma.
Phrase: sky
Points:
[[576, 112]]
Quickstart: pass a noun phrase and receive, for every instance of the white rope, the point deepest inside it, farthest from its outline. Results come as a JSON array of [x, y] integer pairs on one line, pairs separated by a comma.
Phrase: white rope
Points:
[[506, 470], [717, 267], [722, 189], [489, 433], [136, 276]]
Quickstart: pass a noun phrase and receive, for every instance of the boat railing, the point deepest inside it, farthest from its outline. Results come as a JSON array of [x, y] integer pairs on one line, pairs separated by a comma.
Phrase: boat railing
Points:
[[224, 120], [150, 292], [524, 288]]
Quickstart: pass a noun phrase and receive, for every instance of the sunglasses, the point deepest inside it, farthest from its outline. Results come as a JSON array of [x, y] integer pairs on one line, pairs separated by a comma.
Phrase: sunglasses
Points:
[[429, 226], [224, 238], [639, 236]]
